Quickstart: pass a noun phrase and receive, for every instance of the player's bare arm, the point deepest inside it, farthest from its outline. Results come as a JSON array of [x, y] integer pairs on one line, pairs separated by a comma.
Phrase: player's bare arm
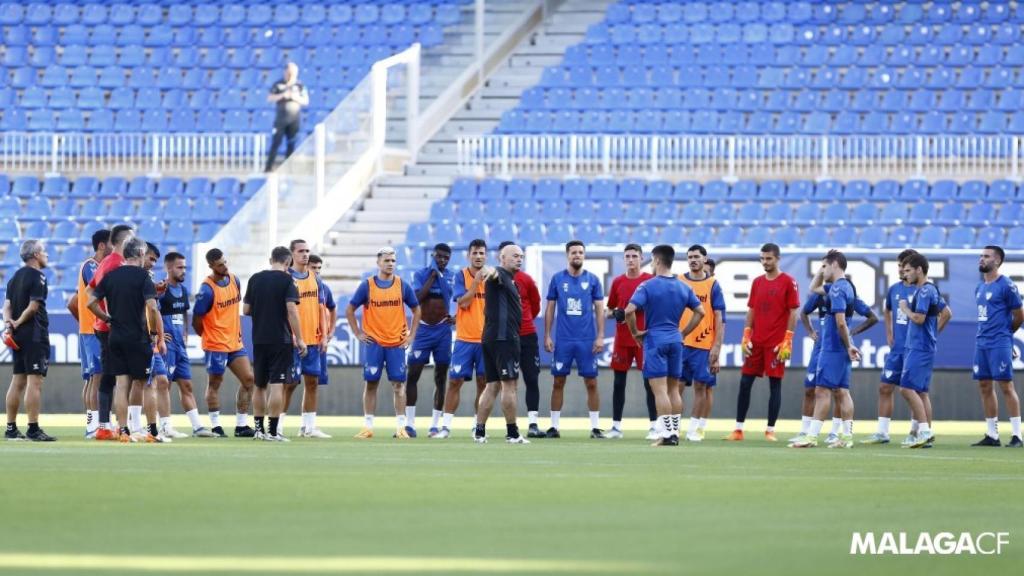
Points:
[[868, 322], [698, 315]]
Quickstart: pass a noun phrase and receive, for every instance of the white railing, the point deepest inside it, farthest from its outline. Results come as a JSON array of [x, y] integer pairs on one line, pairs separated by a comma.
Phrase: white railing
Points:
[[733, 157], [117, 153]]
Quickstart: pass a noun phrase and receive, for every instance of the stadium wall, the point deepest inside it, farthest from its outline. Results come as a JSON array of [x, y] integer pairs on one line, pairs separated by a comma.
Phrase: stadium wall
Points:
[[954, 395]]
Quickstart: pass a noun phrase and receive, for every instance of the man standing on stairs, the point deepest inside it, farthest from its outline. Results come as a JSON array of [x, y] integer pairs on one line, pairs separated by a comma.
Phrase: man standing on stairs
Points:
[[291, 97], [433, 286]]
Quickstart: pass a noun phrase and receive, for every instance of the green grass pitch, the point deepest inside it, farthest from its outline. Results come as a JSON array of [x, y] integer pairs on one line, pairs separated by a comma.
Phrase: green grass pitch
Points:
[[573, 505]]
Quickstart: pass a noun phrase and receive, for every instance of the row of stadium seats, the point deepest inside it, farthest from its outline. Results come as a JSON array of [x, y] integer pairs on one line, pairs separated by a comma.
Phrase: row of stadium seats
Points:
[[715, 122], [716, 234], [150, 120], [769, 190], [201, 209], [115, 187], [172, 232], [230, 14]]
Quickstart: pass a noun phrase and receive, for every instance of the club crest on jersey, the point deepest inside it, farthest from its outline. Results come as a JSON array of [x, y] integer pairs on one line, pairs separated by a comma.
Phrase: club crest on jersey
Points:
[[988, 295], [585, 285]]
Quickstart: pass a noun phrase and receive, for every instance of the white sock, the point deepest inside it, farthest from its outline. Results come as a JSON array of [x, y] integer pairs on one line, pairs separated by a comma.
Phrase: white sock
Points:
[[531, 417], [555, 417], [280, 424], [913, 426], [805, 424], [815, 427], [215, 418], [675, 423], [435, 418], [770, 429], [93, 420], [694, 424], [400, 421], [446, 420], [992, 424], [883, 425], [410, 416], [654, 425], [1015, 426], [165, 422], [241, 420], [306, 426], [135, 418], [848, 427], [595, 419], [665, 425], [739, 426], [923, 429], [193, 417], [703, 423], [837, 423], [368, 421]]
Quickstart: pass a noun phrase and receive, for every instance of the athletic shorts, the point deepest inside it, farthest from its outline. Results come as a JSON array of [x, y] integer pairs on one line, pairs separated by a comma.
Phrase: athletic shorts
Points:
[[663, 360], [432, 340], [157, 366], [33, 358], [812, 367], [893, 369], [272, 363], [89, 353], [624, 356], [501, 360], [178, 365], [762, 362], [217, 362], [307, 366], [132, 359], [579, 352], [917, 370], [696, 367], [834, 370], [994, 364], [324, 378], [467, 358], [379, 358], [529, 357]]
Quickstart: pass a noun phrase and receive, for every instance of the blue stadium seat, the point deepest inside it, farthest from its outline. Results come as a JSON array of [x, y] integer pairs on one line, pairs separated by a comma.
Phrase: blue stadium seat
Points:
[[960, 237]]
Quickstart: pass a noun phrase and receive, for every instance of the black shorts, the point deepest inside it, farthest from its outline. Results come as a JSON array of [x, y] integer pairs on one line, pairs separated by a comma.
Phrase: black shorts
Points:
[[529, 356], [272, 363], [132, 359], [33, 358], [104, 338], [501, 360]]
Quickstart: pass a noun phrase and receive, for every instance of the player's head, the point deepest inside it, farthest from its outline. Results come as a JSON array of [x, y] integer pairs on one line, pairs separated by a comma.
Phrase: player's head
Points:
[[135, 250], [511, 257], [575, 252], [152, 256], [477, 253], [663, 255], [770, 257], [442, 255], [696, 255], [280, 258], [300, 253], [991, 259], [174, 264], [633, 255], [217, 262], [915, 268], [316, 263], [901, 258], [101, 242], [387, 260], [709, 266], [834, 265], [291, 71], [34, 251], [118, 235]]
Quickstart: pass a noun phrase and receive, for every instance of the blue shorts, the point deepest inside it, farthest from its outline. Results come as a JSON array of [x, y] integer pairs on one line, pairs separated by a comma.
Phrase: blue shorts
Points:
[[157, 366], [812, 367], [324, 376], [217, 362], [834, 370], [994, 364], [893, 369], [467, 358], [308, 366], [89, 353], [695, 366], [178, 365], [432, 339], [580, 352], [379, 357], [663, 360], [917, 370]]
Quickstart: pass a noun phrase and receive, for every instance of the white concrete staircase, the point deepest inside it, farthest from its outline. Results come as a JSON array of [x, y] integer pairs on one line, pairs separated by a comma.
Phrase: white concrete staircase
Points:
[[395, 201]]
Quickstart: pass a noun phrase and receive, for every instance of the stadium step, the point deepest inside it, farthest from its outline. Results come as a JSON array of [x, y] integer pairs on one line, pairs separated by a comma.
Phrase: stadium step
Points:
[[390, 216], [394, 193]]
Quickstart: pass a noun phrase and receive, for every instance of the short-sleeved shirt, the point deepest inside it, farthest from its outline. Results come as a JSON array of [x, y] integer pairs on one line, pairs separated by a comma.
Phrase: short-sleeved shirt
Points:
[[126, 291], [575, 297], [362, 295], [819, 303], [267, 294], [623, 288], [663, 300], [503, 309], [173, 306], [529, 299], [925, 300], [996, 302], [772, 302], [26, 286], [204, 298], [442, 286], [329, 302], [111, 262], [840, 300], [288, 109], [898, 291]]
